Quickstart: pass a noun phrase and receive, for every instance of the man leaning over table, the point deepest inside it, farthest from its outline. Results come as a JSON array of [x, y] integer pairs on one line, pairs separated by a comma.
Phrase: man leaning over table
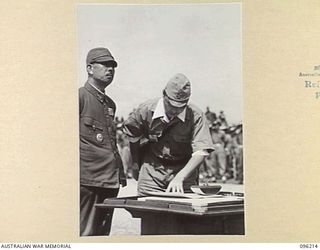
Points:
[[169, 139]]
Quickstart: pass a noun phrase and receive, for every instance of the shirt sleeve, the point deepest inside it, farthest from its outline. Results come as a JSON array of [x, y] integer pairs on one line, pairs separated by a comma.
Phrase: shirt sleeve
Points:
[[201, 138], [201, 152], [133, 127]]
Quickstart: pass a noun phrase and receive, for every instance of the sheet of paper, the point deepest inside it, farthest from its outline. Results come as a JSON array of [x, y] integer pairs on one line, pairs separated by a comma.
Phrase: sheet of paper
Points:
[[194, 201]]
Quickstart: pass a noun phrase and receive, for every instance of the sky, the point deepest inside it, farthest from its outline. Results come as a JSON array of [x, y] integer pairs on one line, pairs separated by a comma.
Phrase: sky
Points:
[[151, 43]]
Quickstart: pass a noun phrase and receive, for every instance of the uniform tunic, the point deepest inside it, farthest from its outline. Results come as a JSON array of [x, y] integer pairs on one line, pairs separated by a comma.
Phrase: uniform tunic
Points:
[[100, 162], [166, 146], [101, 169]]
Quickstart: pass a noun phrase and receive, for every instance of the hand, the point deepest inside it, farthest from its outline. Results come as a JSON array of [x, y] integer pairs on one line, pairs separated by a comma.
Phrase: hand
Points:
[[176, 185]]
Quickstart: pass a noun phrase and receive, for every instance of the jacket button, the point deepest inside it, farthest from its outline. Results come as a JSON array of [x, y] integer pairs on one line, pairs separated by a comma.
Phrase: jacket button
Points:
[[99, 137]]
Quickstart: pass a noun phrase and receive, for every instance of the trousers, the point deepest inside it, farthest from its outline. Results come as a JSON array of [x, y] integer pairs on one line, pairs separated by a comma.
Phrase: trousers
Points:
[[155, 176], [95, 221]]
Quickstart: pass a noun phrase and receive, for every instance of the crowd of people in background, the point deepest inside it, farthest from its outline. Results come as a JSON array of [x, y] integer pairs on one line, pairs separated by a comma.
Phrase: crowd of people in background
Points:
[[224, 164]]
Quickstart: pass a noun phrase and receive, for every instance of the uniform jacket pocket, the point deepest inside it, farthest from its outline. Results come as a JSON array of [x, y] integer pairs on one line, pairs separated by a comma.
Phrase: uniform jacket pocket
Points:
[[92, 130], [94, 124]]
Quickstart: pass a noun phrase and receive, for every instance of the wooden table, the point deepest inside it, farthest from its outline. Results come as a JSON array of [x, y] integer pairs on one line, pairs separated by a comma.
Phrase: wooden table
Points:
[[170, 216]]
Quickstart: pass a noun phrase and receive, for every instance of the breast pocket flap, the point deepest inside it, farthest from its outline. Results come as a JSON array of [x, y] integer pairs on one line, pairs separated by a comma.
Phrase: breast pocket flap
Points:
[[92, 123]]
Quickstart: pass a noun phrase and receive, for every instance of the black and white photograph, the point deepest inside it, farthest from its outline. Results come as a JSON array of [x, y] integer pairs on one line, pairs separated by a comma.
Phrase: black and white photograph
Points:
[[166, 122], [160, 119]]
